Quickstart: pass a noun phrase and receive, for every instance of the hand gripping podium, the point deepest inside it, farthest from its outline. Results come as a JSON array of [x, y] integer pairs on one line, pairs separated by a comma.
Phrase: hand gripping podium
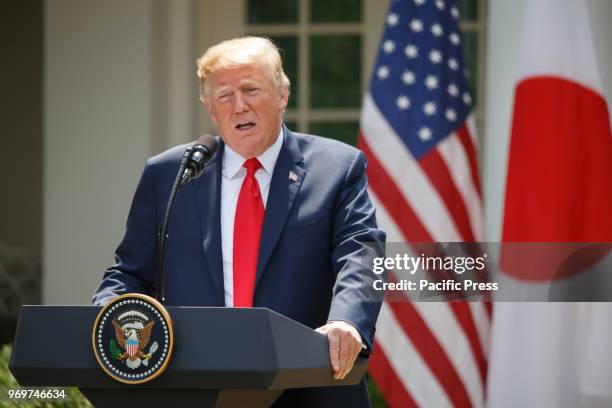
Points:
[[223, 357]]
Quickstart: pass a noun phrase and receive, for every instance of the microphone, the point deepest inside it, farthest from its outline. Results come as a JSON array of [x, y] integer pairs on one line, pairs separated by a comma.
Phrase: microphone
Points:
[[192, 165], [196, 157]]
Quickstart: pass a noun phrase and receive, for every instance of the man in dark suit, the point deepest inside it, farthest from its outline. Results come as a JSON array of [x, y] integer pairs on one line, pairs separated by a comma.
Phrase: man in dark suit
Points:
[[277, 219]]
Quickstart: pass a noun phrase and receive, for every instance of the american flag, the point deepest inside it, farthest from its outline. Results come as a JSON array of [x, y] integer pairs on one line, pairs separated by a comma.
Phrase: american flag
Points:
[[417, 132]]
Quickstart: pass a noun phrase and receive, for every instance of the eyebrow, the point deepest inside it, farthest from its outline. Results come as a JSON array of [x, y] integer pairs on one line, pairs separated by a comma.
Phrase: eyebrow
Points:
[[222, 89], [250, 81], [244, 83]]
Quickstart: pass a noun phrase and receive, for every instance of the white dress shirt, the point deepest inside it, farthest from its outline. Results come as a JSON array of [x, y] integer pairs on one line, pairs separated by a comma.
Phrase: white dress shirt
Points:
[[233, 175]]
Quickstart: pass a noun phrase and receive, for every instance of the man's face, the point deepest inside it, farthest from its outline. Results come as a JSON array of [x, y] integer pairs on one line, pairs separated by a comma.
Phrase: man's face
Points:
[[246, 103]]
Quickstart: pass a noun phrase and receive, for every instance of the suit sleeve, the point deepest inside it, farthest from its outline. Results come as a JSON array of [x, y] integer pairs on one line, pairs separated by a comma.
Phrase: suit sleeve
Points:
[[134, 268], [356, 240]]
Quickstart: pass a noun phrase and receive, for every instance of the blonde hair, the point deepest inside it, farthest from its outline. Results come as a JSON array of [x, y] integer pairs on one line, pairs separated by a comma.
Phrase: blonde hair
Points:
[[238, 52]]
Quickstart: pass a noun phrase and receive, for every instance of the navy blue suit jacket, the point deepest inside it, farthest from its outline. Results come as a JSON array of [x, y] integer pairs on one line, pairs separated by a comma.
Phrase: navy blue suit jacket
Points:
[[310, 266]]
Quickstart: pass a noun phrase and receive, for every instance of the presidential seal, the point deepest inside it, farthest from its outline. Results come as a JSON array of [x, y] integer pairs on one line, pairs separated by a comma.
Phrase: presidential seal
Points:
[[133, 338]]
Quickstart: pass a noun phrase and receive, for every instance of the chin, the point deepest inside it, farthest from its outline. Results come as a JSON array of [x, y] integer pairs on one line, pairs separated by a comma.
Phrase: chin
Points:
[[248, 150]]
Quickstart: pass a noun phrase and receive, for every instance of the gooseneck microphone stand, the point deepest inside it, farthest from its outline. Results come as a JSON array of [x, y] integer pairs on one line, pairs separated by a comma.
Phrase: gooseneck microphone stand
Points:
[[191, 167]]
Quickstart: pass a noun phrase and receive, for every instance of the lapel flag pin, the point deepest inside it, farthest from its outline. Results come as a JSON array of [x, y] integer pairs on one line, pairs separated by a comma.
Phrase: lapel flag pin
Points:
[[292, 176]]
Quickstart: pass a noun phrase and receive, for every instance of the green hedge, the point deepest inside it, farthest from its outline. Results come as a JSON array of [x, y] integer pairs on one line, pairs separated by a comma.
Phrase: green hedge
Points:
[[74, 398], [375, 395]]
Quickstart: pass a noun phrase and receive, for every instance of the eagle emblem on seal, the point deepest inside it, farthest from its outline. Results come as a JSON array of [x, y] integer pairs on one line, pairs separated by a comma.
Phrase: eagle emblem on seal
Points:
[[133, 331]]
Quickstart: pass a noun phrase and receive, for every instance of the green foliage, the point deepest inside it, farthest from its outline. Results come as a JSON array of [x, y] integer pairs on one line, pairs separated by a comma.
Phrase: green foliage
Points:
[[74, 398], [375, 395], [115, 352], [7, 329]]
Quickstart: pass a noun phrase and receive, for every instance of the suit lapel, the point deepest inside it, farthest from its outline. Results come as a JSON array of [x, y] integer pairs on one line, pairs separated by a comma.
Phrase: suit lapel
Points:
[[208, 196], [286, 182]]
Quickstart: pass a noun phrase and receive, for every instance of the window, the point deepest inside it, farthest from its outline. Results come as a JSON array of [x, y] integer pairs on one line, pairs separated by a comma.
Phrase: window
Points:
[[323, 48], [326, 89], [473, 28]]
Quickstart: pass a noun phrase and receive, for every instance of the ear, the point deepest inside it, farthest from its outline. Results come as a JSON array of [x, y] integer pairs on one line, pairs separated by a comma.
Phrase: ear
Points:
[[283, 98], [211, 110]]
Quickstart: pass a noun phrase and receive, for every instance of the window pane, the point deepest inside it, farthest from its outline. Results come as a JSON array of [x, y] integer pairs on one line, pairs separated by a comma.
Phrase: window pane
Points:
[[335, 71], [272, 11], [470, 54], [468, 9], [344, 131], [335, 11], [293, 126], [288, 46]]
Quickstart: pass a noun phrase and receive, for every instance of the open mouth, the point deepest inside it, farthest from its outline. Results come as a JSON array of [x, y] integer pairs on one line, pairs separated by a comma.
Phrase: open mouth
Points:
[[245, 125]]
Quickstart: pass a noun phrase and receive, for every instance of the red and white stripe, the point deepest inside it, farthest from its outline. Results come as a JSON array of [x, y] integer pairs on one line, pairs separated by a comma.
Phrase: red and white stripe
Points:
[[427, 354], [132, 349]]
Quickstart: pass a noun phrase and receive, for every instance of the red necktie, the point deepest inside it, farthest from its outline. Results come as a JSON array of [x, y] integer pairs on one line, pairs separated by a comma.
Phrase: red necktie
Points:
[[247, 234]]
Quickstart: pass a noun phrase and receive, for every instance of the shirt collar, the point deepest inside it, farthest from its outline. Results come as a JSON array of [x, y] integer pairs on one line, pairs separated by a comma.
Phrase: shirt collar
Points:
[[232, 161]]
